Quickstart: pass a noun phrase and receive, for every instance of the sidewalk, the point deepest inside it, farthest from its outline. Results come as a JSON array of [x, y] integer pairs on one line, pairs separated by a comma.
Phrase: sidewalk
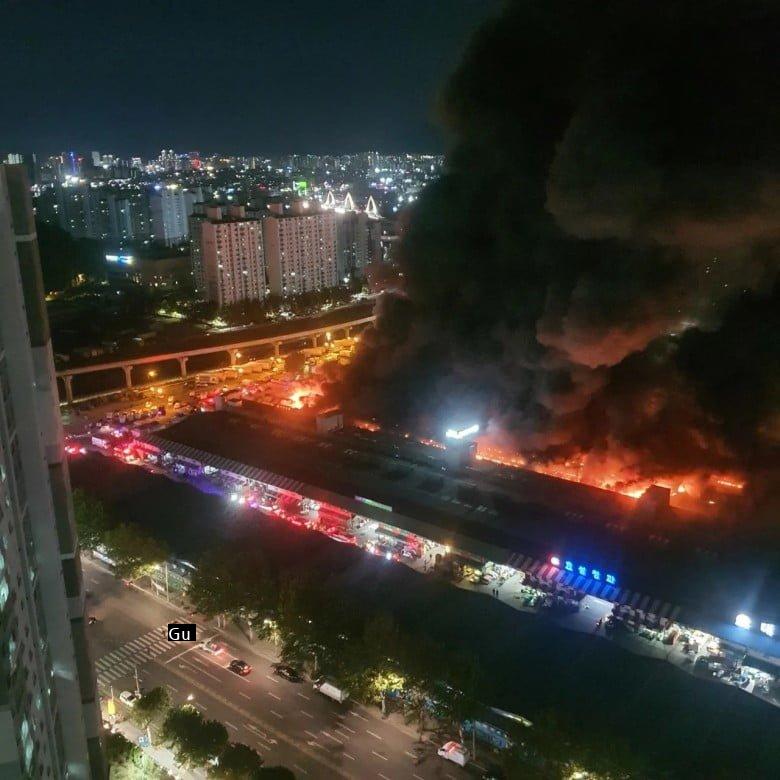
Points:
[[161, 756]]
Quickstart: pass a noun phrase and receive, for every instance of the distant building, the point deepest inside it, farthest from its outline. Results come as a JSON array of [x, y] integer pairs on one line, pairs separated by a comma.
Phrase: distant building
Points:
[[102, 213], [300, 248], [49, 710], [170, 206], [228, 259], [358, 237]]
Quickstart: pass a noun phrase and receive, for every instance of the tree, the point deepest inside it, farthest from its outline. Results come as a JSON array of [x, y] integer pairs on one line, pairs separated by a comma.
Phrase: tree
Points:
[[294, 362], [119, 749], [151, 705], [237, 762], [275, 773], [194, 740], [91, 519], [133, 552], [234, 581]]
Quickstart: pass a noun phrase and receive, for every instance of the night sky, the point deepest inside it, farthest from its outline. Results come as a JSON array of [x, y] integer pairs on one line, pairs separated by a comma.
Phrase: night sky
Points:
[[236, 77]]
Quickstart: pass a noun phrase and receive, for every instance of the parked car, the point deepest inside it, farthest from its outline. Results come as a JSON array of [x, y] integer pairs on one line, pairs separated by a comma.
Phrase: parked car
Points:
[[129, 697], [240, 667], [288, 672], [212, 647]]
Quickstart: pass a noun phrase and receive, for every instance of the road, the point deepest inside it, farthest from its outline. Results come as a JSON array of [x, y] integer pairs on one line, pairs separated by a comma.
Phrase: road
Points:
[[288, 723]]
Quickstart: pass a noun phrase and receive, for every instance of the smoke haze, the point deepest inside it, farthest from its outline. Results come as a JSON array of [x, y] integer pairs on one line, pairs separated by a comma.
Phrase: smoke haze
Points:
[[596, 273]]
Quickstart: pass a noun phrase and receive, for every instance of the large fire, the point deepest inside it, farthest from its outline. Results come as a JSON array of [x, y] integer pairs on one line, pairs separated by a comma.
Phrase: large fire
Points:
[[686, 489]]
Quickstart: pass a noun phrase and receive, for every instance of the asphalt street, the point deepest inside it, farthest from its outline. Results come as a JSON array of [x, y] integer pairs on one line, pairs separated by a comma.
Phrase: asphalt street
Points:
[[288, 723]]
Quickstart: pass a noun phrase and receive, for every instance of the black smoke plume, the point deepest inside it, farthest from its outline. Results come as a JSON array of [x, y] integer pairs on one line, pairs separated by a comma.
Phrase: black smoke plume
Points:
[[597, 271]]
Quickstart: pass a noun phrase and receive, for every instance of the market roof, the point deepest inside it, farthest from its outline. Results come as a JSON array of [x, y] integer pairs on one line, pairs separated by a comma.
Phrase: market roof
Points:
[[502, 514]]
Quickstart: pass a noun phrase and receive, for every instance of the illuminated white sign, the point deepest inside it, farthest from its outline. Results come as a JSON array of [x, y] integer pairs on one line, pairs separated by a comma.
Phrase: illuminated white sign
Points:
[[452, 433]]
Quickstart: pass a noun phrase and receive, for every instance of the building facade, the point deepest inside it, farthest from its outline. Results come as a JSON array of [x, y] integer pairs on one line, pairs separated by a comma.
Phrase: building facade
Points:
[[49, 710], [228, 255], [300, 248], [171, 206], [103, 213]]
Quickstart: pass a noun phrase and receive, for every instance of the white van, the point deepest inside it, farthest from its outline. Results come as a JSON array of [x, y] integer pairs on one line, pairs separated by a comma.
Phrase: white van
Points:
[[331, 691], [455, 752]]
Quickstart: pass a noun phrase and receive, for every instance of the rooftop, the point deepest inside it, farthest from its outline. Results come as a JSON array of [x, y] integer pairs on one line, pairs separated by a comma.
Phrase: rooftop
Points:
[[492, 510]]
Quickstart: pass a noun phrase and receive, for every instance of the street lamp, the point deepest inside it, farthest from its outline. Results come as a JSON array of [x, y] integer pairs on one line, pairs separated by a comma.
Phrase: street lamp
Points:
[[152, 374]]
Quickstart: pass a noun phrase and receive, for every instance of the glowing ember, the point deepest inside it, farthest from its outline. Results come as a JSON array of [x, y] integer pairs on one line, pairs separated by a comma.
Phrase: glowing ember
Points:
[[366, 425], [694, 490]]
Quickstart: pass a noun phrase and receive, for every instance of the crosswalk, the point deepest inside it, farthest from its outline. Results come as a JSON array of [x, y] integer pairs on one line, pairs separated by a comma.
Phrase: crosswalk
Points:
[[122, 661]]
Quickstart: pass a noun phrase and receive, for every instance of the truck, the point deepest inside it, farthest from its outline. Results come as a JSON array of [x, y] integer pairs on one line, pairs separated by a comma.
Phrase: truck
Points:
[[331, 691]]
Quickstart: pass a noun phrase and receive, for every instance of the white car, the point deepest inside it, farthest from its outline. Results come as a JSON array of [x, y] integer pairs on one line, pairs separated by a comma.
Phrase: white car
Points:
[[129, 698], [455, 752], [212, 647]]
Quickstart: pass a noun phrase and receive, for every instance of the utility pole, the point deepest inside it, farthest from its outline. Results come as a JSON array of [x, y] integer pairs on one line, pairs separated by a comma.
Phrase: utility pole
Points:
[[137, 684], [167, 592]]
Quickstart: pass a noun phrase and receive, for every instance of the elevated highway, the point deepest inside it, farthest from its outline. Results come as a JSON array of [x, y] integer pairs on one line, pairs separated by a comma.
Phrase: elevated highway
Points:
[[233, 350]]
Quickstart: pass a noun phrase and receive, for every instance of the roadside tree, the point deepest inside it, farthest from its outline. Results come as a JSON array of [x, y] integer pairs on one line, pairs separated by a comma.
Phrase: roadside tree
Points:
[[237, 762], [195, 741], [133, 552], [91, 519], [119, 749], [151, 706]]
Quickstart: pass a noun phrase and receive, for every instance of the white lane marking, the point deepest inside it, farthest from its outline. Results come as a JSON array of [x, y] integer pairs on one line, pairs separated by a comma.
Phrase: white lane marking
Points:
[[372, 734], [384, 777], [176, 690], [304, 696], [300, 769], [272, 679], [379, 755], [411, 755], [241, 693], [347, 728], [258, 733], [417, 777], [208, 674], [274, 712], [230, 725], [358, 715], [199, 705], [303, 712], [351, 758], [330, 736], [313, 736], [180, 654], [278, 698]]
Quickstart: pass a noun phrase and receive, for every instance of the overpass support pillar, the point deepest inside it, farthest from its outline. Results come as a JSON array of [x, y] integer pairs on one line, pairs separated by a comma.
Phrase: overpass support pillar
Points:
[[183, 366], [68, 379], [314, 340], [277, 345], [233, 356], [128, 375], [346, 332]]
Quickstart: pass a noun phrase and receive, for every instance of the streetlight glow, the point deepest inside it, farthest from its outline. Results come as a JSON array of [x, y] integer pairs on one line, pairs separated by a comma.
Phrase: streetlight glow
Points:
[[743, 621]]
